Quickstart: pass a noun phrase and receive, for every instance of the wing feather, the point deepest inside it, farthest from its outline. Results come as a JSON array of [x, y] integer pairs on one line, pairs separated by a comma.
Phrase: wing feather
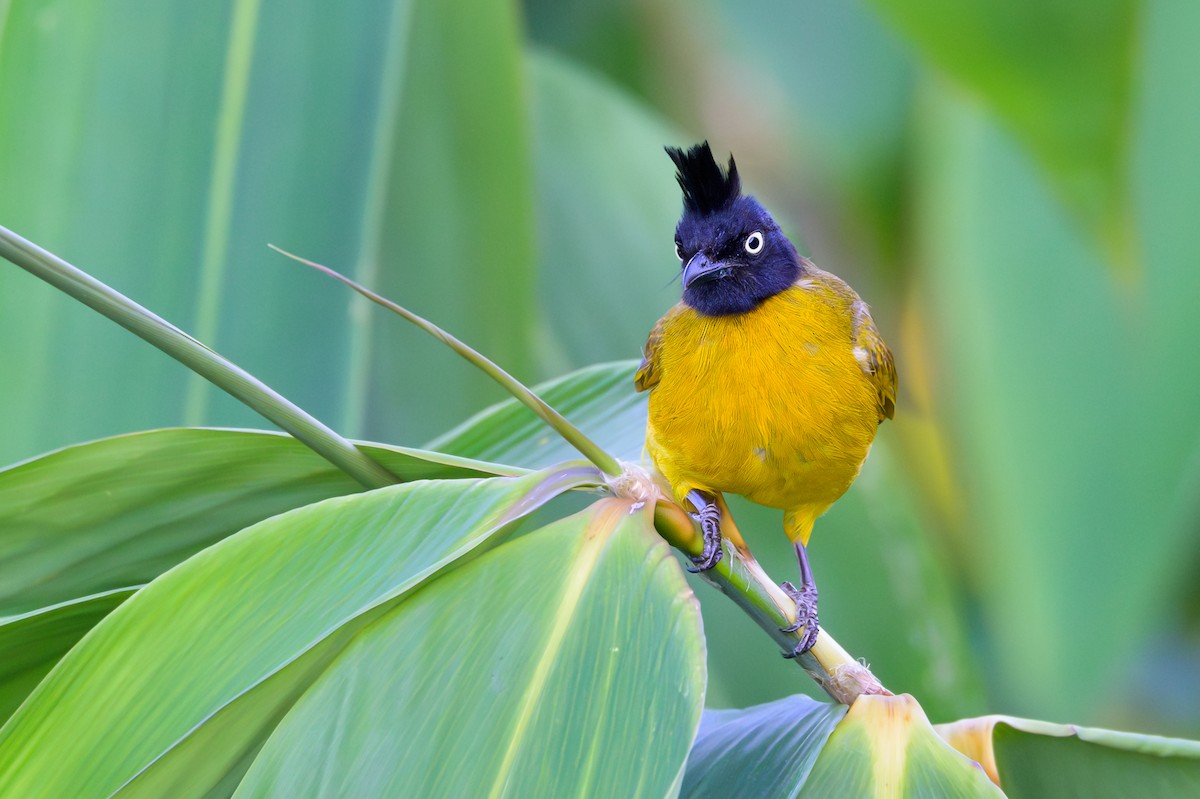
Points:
[[650, 370], [876, 360]]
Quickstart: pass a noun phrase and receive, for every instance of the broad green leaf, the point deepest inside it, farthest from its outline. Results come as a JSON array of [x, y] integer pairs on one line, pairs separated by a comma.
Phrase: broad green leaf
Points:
[[1036, 758], [886, 747], [600, 400], [120, 511], [566, 663], [882, 746], [31, 643], [214, 757], [767, 750], [207, 632], [1060, 75]]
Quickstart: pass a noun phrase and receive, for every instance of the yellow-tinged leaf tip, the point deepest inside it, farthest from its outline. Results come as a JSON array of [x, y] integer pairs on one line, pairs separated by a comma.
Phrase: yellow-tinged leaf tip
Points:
[[973, 737], [887, 722]]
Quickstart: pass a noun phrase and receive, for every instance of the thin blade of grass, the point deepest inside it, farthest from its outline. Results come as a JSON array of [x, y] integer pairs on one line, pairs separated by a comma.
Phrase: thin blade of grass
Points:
[[605, 462]]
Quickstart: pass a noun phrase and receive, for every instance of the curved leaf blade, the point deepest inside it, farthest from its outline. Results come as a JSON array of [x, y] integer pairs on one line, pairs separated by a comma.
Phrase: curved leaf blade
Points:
[[604, 614], [120, 511], [600, 400], [1037, 758], [886, 747], [31, 643], [212, 629], [798, 747], [766, 750], [212, 759]]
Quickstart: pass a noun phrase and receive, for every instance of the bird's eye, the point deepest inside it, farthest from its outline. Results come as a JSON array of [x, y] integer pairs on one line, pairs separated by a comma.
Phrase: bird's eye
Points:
[[678, 251], [754, 243]]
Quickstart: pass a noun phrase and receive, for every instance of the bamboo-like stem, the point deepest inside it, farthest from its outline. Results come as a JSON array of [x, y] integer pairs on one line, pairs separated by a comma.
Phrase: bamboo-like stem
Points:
[[745, 582], [196, 356], [573, 435]]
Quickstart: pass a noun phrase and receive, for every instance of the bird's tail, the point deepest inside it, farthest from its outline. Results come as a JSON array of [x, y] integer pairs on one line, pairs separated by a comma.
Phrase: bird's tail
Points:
[[798, 523]]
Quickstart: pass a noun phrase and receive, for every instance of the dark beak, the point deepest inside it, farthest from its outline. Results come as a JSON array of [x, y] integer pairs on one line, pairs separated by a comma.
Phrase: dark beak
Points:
[[701, 270]]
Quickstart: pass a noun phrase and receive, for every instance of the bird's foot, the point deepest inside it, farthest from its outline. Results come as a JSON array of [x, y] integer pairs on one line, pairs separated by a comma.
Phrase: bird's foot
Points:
[[710, 524], [806, 616]]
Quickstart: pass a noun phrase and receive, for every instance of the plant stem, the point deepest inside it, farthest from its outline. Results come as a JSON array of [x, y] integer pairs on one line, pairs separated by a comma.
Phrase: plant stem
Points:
[[196, 356], [745, 582], [573, 435]]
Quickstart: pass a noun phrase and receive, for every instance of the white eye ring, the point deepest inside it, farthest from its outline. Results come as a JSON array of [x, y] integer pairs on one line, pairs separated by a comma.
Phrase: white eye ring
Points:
[[754, 243], [678, 252]]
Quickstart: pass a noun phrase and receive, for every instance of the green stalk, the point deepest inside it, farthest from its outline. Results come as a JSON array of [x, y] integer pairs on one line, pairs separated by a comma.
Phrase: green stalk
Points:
[[744, 581], [191, 353], [590, 449]]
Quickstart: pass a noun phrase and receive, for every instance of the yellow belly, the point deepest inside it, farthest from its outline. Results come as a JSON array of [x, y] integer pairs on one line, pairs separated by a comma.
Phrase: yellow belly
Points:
[[772, 404]]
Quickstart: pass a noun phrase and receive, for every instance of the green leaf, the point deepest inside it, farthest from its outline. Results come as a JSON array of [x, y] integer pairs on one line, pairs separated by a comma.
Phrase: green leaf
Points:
[[767, 750], [592, 688], [211, 630], [1061, 76], [31, 643], [798, 747], [886, 747], [120, 511], [79, 524], [1037, 758], [600, 400]]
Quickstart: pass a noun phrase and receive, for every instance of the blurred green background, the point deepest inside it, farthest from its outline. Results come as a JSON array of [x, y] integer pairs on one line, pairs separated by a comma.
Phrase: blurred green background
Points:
[[1012, 185]]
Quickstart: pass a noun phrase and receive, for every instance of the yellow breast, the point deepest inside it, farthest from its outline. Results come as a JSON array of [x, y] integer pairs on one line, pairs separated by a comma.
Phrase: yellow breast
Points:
[[771, 404]]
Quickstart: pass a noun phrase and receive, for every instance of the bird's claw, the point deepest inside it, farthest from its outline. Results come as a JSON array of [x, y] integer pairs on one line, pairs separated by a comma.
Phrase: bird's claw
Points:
[[710, 524], [806, 617]]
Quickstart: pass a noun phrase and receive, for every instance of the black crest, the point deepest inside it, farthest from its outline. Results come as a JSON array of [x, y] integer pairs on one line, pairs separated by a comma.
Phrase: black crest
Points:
[[706, 187]]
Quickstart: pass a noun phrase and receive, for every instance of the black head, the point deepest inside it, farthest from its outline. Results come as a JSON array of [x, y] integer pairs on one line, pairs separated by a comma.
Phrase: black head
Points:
[[733, 254]]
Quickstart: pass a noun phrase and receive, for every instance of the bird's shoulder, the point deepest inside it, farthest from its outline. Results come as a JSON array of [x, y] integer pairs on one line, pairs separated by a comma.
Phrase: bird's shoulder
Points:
[[814, 281], [649, 372]]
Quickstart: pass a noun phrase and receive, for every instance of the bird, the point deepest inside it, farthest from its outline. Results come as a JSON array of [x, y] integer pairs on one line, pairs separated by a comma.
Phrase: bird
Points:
[[768, 379]]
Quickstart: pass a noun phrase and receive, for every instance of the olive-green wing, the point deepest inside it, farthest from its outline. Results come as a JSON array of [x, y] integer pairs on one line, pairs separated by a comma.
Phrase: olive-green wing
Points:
[[650, 371], [876, 360]]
